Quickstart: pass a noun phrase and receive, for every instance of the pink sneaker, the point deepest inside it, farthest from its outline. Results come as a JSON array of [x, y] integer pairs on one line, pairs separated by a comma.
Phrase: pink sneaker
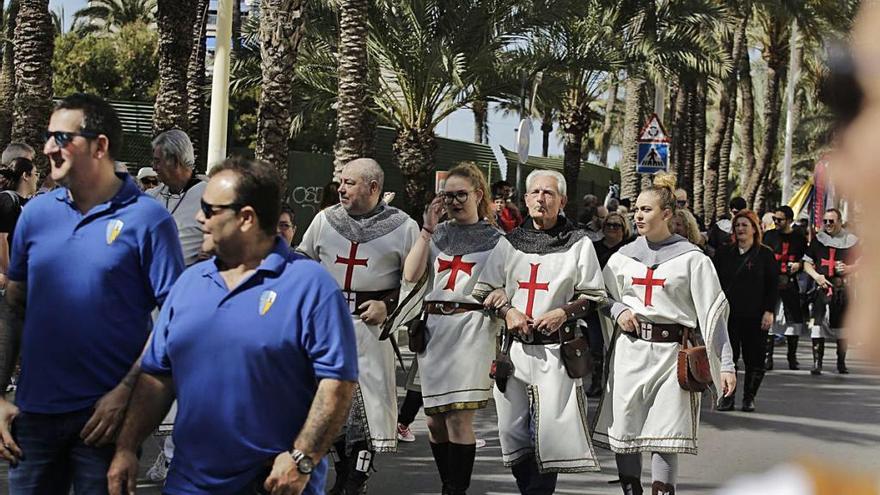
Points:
[[404, 434]]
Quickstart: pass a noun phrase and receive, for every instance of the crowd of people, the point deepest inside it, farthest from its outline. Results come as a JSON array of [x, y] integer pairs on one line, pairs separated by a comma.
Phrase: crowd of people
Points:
[[138, 304]]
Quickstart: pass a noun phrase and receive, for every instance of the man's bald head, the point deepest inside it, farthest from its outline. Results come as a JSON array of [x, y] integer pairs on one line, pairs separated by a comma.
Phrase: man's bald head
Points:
[[361, 186]]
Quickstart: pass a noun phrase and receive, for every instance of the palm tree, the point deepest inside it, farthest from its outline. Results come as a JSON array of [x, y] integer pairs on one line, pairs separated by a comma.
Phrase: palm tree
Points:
[[175, 19], [195, 81], [426, 53], [110, 15], [281, 31], [352, 105], [34, 43], [7, 74]]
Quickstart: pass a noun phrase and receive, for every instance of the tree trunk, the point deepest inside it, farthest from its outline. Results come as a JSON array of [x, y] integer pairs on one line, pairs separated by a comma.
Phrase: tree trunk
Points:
[[236, 28], [608, 124], [281, 31], [175, 19], [776, 65], [571, 166], [7, 76], [699, 148], [351, 107], [34, 44], [195, 85], [632, 124], [415, 152], [546, 129], [481, 119], [747, 120], [679, 117], [722, 197]]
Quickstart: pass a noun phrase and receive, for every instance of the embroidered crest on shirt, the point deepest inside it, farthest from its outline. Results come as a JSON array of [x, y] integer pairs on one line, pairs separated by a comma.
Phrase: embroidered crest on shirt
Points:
[[113, 230], [267, 298]]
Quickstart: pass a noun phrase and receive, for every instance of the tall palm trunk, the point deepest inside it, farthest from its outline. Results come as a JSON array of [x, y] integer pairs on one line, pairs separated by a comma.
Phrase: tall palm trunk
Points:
[[175, 20], [608, 123], [722, 197], [480, 109], [546, 129], [34, 44], [195, 85], [7, 76], [777, 60], [699, 147], [281, 31], [351, 107], [632, 123], [575, 123], [236, 27], [747, 120], [415, 152]]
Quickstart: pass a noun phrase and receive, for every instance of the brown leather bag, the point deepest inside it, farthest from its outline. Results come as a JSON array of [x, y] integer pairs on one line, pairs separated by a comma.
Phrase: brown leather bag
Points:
[[694, 373], [575, 356]]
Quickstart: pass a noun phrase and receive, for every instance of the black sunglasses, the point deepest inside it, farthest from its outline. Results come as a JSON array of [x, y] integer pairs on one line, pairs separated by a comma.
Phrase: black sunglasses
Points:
[[210, 210], [613, 226], [146, 181], [63, 138], [681, 203], [829, 221]]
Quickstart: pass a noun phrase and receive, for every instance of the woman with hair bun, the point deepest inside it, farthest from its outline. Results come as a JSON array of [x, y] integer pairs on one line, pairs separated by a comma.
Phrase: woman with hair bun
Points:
[[660, 287]]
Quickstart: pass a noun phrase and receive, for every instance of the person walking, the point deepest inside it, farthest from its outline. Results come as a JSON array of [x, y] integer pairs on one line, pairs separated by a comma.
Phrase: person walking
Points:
[[258, 409], [90, 261], [749, 275], [663, 292], [21, 179], [453, 254]]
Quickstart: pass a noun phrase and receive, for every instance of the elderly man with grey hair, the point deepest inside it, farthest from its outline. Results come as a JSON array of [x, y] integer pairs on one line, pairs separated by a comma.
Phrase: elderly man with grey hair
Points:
[[16, 150], [542, 278], [180, 192]]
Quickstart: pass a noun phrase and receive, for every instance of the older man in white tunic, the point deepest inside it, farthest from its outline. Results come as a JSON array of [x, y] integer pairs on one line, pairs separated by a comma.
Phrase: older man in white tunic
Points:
[[543, 276], [363, 243]]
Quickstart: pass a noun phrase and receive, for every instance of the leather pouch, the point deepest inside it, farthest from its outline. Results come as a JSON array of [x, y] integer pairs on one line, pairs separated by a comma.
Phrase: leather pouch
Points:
[[575, 356], [694, 373]]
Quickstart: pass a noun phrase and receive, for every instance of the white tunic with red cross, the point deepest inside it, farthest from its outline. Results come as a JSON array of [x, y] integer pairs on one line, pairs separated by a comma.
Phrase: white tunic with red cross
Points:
[[367, 267], [643, 408]]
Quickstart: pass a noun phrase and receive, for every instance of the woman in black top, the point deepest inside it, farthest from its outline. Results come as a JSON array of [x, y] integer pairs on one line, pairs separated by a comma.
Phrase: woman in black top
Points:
[[21, 179], [749, 274]]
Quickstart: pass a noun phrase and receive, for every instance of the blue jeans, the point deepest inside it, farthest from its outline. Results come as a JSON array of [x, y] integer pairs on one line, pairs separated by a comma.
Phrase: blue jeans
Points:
[[55, 457]]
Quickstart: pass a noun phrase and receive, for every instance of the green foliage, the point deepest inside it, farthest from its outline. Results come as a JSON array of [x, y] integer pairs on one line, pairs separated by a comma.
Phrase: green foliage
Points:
[[111, 15], [122, 65]]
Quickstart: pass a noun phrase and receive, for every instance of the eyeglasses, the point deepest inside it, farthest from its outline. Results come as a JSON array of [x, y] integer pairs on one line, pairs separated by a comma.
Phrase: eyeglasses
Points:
[[210, 210], [829, 221], [284, 226], [613, 226], [150, 182], [459, 196], [63, 138], [778, 219]]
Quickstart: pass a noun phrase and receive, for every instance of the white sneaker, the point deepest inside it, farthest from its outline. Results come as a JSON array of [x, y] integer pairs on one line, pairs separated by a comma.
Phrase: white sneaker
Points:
[[159, 470], [480, 443], [404, 434]]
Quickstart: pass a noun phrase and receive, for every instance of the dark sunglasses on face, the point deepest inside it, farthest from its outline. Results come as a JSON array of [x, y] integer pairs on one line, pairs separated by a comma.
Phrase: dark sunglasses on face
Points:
[[829, 221], [460, 196], [210, 210], [613, 226], [778, 220], [150, 182], [63, 138]]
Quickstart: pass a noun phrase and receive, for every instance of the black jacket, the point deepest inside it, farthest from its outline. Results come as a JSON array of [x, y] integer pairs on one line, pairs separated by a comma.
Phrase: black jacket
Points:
[[749, 280]]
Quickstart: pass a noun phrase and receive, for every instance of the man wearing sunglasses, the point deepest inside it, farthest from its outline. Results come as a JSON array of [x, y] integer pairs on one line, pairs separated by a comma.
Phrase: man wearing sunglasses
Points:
[[90, 261], [830, 260], [363, 243], [788, 245]]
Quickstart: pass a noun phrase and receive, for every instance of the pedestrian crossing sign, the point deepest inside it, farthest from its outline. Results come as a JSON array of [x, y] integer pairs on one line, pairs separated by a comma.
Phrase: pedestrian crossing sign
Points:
[[653, 157]]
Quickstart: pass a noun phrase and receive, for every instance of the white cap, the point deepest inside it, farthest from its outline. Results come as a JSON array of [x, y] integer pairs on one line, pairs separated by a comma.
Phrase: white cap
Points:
[[146, 172]]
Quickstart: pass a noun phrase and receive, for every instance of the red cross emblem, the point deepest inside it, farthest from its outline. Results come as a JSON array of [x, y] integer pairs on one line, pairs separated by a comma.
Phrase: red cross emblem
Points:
[[649, 282], [351, 262], [783, 258], [831, 261], [533, 286], [455, 265]]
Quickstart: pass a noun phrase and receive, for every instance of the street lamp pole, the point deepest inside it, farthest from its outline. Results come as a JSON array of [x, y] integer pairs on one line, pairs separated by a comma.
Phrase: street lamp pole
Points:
[[220, 85]]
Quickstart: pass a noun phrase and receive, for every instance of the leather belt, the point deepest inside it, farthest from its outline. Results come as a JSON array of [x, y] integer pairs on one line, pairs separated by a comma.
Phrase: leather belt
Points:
[[361, 297], [451, 308], [659, 332], [569, 332]]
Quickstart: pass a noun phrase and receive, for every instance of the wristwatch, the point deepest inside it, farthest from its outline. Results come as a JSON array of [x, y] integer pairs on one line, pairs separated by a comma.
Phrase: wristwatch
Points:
[[304, 464]]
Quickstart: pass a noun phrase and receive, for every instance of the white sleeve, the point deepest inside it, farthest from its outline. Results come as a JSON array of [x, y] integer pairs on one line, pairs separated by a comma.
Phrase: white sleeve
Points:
[[494, 274], [712, 311], [309, 244], [590, 283]]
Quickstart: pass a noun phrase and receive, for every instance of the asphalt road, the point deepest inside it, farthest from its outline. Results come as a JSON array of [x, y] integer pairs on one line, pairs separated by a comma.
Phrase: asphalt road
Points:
[[830, 417]]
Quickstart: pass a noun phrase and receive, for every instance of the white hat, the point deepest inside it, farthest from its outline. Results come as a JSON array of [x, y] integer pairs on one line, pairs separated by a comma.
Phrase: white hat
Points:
[[146, 172]]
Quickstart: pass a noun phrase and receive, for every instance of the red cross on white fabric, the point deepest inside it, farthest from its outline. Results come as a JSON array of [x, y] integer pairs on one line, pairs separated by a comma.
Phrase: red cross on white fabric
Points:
[[533, 286], [351, 262], [831, 262], [649, 282], [455, 265]]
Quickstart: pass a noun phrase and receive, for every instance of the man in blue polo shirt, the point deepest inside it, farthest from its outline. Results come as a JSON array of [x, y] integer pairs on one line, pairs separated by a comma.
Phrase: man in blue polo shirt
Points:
[[90, 261], [258, 345]]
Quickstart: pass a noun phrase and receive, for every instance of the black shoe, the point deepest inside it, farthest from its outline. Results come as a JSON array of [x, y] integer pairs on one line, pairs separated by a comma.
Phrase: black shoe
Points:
[[748, 404], [818, 355], [841, 366], [726, 403], [792, 344]]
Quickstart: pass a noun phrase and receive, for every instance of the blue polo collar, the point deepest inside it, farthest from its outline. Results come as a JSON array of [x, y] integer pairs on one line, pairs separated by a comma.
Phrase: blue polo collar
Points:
[[273, 263], [128, 193]]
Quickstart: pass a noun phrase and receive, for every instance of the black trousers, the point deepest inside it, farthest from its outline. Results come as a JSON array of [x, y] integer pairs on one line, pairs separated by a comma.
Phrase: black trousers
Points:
[[749, 341], [791, 304]]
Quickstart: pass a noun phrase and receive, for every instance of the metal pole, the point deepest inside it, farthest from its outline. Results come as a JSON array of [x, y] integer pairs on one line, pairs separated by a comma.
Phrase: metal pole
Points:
[[793, 76], [220, 85]]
